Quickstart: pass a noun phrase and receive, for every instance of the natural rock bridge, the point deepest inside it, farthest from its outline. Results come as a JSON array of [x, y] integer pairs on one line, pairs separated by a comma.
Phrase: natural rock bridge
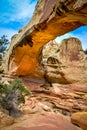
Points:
[[51, 18], [65, 88]]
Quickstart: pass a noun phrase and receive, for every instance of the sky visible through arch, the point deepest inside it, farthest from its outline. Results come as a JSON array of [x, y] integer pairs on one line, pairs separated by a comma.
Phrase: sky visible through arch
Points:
[[14, 14]]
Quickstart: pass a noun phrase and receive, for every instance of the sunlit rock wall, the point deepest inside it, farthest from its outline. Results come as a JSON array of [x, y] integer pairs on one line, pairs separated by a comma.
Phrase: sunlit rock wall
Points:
[[65, 64]]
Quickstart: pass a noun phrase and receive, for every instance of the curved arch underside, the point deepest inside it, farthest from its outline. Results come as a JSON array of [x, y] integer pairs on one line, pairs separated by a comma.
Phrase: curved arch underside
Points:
[[51, 18]]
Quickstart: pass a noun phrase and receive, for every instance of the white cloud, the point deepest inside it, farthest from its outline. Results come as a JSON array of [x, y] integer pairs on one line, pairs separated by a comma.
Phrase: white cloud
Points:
[[8, 32], [59, 39], [19, 11]]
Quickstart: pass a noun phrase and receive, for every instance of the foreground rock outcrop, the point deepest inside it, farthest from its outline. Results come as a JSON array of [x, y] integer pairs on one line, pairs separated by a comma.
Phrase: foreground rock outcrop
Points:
[[43, 121], [5, 120], [51, 18], [80, 119]]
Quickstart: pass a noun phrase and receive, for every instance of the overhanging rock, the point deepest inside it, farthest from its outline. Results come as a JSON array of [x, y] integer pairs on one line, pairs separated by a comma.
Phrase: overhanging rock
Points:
[[51, 18]]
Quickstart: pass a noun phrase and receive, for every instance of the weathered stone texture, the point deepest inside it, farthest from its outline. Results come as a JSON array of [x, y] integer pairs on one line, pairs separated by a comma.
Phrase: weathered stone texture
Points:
[[66, 63], [80, 119], [51, 18]]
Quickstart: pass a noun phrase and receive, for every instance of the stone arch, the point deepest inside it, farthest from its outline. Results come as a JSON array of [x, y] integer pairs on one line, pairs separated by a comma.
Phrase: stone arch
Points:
[[50, 20]]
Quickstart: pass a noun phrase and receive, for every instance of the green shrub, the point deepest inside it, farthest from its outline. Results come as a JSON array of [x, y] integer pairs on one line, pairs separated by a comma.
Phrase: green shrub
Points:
[[12, 95]]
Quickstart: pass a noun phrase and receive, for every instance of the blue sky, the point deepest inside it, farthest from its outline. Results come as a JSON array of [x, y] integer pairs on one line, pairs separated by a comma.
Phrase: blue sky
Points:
[[80, 33], [14, 14]]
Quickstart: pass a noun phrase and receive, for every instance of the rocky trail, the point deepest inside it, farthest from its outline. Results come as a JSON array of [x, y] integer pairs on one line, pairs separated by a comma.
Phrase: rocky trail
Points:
[[51, 107], [44, 121], [65, 99]]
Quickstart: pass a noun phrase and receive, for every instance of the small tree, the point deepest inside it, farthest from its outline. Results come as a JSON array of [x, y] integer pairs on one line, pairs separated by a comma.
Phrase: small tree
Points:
[[12, 95], [3, 44]]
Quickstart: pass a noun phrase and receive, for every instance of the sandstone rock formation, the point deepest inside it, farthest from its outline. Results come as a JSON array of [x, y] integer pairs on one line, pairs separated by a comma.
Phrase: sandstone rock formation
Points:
[[65, 68], [80, 118], [42, 122], [63, 98], [67, 95], [66, 63], [51, 18], [5, 120]]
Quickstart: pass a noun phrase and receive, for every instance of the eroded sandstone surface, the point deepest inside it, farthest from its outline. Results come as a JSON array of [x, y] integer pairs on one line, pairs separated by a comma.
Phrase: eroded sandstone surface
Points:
[[80, 118], [51, 18], [65, 63], [42, 122], [63, 92], [63, 66]]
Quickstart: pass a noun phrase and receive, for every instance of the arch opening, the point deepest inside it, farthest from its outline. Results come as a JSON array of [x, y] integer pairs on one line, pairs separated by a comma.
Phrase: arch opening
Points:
[[80, 33], [45, 25]]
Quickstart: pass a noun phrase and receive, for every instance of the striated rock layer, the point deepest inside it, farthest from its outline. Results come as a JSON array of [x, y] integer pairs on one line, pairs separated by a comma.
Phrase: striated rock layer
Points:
[[51, 18]]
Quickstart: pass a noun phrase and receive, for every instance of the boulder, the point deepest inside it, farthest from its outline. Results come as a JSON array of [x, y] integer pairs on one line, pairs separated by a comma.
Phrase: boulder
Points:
[[5, 120], [80, 119]]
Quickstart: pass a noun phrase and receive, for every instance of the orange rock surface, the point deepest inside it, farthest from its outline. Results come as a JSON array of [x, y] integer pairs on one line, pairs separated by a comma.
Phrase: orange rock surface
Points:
[[50, 19], [80, 118]]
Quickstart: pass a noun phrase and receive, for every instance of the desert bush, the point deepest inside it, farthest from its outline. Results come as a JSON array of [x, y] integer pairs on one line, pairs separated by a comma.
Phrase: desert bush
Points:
[[11, 95]]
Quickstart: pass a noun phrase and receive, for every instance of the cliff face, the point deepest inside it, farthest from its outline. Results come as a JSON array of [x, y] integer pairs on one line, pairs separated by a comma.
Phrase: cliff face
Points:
[[67, 63], [51, 18]]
